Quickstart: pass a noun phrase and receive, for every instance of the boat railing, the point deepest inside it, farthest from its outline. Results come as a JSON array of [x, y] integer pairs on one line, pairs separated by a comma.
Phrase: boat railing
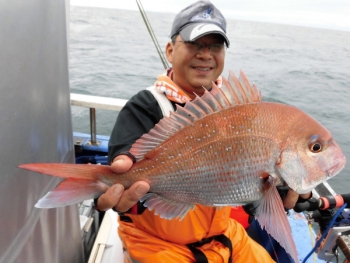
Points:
[[93, 103]]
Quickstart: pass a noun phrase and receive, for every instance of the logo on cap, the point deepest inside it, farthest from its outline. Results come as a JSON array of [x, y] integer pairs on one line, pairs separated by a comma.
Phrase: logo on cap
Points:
[[206, 16]]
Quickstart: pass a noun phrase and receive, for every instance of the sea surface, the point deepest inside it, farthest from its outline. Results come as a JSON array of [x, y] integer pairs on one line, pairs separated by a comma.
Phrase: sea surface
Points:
[[112, 55]]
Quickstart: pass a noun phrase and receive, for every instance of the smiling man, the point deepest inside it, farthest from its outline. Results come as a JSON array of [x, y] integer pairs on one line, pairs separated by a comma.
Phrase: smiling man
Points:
[[206, 234], [197, 50], [196, 64]]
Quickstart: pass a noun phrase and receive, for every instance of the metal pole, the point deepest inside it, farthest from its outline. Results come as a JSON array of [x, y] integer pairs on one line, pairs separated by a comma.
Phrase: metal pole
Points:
[[93, 125]]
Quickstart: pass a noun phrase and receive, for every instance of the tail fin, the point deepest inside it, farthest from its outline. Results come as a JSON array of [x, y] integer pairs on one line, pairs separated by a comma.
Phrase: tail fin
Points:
[[82, 182]]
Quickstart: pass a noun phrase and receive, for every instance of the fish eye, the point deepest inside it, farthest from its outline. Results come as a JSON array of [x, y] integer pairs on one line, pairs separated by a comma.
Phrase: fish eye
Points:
[[316, 147]]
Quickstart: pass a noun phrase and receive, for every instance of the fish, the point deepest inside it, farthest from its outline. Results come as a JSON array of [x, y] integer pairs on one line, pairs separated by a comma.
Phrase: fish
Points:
[[224, 148]]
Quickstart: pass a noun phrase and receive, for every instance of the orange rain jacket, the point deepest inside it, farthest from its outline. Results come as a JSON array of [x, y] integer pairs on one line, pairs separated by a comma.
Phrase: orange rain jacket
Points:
[[151, 239]]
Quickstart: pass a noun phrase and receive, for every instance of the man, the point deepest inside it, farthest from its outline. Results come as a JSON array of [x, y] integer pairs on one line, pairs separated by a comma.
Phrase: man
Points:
[[206, 234]]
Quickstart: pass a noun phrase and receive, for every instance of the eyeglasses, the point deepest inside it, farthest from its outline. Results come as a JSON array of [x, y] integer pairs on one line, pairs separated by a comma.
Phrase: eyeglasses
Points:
[[196, 46]]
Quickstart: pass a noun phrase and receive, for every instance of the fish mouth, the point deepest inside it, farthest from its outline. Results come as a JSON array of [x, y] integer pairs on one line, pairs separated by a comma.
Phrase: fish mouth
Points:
[[331, 172], [335, 169]]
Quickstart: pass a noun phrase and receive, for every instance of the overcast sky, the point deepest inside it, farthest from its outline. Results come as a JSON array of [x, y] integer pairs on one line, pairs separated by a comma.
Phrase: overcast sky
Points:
[[331, 14]]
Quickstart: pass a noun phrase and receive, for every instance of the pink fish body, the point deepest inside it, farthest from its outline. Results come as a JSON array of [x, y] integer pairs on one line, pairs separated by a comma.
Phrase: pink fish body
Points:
[[224, 148]]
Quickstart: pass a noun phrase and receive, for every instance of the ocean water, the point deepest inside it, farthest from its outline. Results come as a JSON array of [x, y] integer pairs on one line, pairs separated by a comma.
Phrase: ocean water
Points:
[[112, 55]]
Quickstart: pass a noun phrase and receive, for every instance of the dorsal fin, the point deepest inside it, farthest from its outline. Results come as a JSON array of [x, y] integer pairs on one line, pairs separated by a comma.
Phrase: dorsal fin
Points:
[[233, 92]]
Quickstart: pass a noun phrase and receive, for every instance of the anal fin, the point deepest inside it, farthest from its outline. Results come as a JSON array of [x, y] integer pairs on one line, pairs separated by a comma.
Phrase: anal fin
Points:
[[166, 208]]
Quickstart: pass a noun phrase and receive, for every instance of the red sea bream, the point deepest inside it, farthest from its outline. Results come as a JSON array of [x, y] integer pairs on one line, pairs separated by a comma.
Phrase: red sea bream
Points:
[[224, 148]]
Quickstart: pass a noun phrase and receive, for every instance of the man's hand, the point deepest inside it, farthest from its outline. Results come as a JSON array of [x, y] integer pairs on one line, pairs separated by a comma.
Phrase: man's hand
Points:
[[292, 197], [115, 197]]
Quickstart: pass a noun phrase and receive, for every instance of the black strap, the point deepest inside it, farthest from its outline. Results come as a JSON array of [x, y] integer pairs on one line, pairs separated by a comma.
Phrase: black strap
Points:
[[200, 256], [124, 216], [226, 242]]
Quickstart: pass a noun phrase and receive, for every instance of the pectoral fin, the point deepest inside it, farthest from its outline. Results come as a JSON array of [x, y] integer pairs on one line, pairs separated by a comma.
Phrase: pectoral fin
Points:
[[272, 217]]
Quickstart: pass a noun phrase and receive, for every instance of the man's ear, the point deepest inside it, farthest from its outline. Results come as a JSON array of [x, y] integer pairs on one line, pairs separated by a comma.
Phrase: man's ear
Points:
[[169, 52]]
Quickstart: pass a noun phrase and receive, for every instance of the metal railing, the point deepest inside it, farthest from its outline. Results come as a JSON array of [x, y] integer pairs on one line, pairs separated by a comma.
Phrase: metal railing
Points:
[[93, 103]]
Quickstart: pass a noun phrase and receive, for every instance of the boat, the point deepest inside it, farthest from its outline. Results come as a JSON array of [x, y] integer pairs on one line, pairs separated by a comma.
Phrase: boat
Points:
[[36, 126]]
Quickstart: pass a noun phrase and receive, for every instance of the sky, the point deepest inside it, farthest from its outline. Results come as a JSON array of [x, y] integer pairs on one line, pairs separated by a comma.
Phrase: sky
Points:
[[330, 14]]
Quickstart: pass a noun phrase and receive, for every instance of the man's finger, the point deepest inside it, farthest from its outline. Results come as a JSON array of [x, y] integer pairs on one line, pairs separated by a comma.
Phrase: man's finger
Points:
[[132, 195], [121, 164], [291, 199], [306, 196], [110, 198]]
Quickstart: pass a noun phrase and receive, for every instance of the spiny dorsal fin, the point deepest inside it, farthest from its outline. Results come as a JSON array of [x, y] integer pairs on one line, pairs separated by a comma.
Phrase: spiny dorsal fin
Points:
[[233, 92]]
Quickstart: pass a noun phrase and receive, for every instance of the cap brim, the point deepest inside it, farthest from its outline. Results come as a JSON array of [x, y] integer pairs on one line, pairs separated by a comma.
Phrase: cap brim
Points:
[[194, 31]]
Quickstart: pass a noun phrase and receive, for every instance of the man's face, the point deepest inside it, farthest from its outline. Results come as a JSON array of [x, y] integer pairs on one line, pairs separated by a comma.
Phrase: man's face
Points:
[[194, 69]]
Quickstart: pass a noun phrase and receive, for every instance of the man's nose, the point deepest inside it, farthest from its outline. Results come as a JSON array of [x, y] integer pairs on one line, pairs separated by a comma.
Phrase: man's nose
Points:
[[204, 51]]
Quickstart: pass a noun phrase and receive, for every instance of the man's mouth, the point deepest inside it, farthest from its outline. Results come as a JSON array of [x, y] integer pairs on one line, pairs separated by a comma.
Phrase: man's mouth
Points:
[[202, 69]]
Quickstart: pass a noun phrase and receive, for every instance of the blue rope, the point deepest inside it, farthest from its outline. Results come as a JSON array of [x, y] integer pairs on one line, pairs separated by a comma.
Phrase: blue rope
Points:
[[325, 232]]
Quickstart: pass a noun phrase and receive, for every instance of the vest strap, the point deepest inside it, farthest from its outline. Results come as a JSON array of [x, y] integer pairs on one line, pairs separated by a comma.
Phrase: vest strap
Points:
[[163, 102], [200, 256]]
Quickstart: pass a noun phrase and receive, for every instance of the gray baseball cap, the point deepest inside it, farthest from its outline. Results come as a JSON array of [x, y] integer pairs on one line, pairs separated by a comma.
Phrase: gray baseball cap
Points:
[[197, 20]]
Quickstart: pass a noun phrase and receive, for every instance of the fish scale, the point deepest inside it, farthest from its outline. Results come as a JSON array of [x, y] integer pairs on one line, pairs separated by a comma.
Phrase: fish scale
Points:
[[174, 170], [226, 147]]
